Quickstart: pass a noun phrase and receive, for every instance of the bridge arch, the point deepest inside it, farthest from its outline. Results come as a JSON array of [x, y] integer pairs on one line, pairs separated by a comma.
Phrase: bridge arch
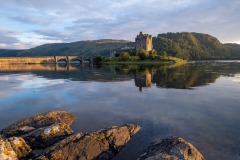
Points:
[[89, 59], [72, 60], [62, 61]]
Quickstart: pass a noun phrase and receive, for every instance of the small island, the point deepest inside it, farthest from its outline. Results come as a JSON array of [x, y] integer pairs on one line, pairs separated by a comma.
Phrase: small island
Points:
[[140, 52]]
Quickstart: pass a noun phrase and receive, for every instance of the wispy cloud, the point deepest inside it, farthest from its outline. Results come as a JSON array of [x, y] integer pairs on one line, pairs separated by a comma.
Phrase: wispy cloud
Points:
[[72, 20]]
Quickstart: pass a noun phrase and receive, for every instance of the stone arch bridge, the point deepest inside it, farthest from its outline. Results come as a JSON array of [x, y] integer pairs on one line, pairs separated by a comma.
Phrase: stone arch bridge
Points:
[[45, 60]]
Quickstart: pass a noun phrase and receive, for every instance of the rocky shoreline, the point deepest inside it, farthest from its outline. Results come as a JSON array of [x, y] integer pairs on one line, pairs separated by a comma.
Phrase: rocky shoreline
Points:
[[52, 133]]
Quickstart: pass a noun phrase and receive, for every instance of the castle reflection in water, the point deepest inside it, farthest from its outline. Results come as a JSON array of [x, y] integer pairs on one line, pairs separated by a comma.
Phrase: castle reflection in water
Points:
[[162, 76], [143, 80]]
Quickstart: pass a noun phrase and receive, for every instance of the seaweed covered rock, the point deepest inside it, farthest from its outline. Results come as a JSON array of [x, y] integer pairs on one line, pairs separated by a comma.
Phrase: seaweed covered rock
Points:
[[47, 136], [102, 144], [171, 148], [43, 120]]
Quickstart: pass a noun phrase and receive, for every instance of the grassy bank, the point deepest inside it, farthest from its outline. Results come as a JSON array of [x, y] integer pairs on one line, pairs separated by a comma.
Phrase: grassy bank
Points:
[[136, 60]]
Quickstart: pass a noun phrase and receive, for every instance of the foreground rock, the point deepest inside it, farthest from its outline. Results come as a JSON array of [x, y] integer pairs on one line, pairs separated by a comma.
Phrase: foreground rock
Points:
[[14, 148], [47, 136], [172, 149], [102, 144], [6, 151], [51, 131], [43, 120], [20, 147]]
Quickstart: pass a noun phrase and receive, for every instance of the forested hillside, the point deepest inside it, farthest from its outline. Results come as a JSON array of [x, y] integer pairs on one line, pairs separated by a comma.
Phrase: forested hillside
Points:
[[9, 53], [190, 46], [88, 48], [234, 50]]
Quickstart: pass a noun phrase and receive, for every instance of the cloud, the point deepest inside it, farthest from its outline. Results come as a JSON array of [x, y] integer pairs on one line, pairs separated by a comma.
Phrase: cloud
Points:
[[74, 20], [54, 35], [4, 32], [10, 39], [36, 20]]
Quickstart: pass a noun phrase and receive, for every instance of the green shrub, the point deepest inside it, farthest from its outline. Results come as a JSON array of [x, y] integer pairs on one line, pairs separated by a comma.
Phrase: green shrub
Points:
[[117, 54], [164, 55], [133, 53], [124, 56], [143, 54], [98, 58]]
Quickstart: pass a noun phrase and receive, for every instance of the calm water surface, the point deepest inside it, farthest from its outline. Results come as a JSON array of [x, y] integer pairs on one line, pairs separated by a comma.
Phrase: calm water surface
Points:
[[199, 102]]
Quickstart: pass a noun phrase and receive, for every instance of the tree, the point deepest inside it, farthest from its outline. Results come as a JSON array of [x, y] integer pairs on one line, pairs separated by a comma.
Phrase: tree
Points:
[[143, 54], [124, 56], [164, 55], [117, 55], [133, 53], [98, 58], [152, 54]]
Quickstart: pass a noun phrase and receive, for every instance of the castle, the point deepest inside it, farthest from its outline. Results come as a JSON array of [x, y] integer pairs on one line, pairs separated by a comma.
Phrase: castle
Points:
[[143, 41]]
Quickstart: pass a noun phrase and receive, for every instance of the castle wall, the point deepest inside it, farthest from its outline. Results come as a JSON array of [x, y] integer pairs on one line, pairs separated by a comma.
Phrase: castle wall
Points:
[[149, 46], [141, 44], [143, 41]]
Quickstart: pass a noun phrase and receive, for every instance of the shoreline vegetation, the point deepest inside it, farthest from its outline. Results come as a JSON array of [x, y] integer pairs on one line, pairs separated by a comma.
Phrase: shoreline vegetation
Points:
[[169, 60], [140, 57]]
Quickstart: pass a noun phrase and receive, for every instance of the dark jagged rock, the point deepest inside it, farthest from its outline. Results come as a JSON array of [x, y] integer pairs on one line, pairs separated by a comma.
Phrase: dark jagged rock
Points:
[[173, 148], [43, 120], [102, 144], [47, 136], [14, 148]]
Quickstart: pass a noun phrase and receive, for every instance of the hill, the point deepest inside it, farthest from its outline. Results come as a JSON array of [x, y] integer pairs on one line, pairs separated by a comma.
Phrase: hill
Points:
[[9, 53], [234, 50], [190, 46], [75, 48]]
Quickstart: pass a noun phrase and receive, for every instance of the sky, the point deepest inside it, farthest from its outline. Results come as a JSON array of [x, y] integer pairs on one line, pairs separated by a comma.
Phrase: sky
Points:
[[28, 23]]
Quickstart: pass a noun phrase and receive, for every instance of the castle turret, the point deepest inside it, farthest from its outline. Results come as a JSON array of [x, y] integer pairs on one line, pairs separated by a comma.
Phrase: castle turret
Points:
[[143, 41]]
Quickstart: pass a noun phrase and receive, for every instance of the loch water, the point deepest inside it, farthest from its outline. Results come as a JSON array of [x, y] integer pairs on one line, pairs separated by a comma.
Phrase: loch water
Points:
[[199, 102]]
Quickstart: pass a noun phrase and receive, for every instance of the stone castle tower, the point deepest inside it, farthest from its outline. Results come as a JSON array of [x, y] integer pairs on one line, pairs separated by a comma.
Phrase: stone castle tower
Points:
[[143, 41]]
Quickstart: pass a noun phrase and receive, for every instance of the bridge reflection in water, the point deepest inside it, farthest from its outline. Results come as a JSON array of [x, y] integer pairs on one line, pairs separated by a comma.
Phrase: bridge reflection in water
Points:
[[46, 60], [42, 67]]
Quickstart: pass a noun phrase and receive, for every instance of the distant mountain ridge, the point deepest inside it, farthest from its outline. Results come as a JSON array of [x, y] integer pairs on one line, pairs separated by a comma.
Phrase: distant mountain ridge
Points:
[[9, 53], [85, 48], [186, 45]]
